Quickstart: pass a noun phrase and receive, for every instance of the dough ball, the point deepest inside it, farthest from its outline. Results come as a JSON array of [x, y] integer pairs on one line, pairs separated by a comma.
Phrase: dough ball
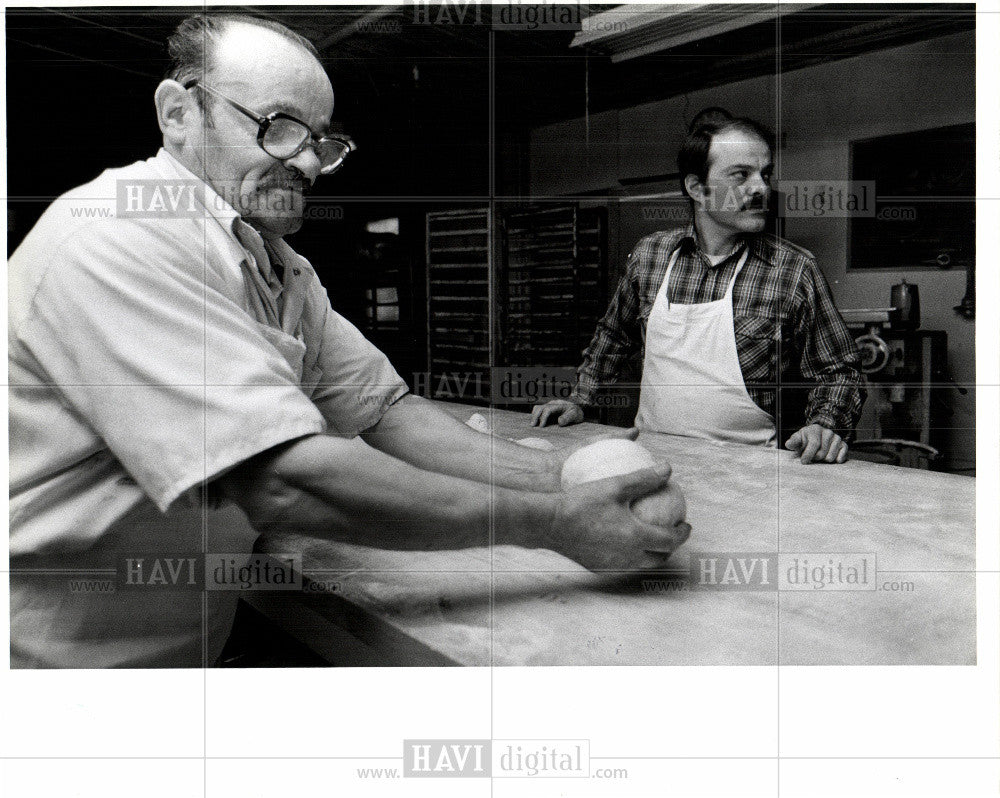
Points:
[[479, 423], [536, 443], [604, 459]]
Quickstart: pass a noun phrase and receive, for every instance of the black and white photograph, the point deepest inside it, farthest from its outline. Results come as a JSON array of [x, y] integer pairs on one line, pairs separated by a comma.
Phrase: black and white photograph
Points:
[[568, 399]]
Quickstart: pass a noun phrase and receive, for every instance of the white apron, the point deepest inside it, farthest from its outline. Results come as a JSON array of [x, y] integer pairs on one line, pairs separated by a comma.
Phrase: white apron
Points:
[[692, 383]]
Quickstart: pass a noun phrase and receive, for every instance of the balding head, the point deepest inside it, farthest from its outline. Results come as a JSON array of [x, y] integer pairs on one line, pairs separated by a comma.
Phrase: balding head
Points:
[[192, 46], [265, 69], [247, 57]]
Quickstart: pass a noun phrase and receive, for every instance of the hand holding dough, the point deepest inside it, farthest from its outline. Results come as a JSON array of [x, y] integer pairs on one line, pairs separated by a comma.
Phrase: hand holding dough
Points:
[[612, 458]]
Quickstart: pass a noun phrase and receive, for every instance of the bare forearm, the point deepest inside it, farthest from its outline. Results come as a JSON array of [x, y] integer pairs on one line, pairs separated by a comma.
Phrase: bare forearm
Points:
[[350, 492], [347, 491], [417, 432]]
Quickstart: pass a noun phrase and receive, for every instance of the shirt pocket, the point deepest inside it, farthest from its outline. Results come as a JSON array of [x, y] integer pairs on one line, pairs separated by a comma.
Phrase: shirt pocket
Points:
[[756, 346]]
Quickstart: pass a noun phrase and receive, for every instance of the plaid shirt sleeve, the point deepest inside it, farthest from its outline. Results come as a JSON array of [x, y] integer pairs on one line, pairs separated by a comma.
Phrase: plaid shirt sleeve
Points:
[[616, 339], [829, 357]]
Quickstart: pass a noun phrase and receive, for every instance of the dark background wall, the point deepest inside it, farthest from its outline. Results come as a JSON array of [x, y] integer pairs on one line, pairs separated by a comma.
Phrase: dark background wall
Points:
[[449, 110], [414, 97]]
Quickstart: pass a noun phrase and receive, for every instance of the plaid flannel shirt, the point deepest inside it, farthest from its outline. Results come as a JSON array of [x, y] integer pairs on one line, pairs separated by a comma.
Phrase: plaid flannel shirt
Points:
[[783, 316]]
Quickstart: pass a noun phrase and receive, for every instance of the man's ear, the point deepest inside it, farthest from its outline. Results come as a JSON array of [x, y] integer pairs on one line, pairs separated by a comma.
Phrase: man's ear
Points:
[[175, 112], [695, 188]]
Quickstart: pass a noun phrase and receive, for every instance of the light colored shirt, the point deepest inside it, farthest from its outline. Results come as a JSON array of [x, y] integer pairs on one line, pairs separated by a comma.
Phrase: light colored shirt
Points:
[[148, 354]]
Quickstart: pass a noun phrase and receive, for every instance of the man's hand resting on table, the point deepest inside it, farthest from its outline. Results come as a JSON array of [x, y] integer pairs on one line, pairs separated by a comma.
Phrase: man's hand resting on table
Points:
[[563, 411], [595, 526], [816, 443]]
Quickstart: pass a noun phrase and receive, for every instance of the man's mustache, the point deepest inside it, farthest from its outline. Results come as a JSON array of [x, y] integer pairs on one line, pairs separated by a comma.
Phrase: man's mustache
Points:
[[287, 180]]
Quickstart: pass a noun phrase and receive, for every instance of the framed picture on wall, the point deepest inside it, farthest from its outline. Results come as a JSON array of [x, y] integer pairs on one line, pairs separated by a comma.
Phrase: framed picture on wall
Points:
[[925, 209]]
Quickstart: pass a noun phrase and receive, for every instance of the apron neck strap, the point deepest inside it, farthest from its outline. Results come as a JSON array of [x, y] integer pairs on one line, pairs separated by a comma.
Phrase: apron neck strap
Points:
[[739, 267], [729, 289], [670, 268]]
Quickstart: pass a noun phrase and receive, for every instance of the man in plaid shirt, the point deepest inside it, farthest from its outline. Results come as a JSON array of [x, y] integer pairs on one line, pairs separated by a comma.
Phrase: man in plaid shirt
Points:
[[725, 314]]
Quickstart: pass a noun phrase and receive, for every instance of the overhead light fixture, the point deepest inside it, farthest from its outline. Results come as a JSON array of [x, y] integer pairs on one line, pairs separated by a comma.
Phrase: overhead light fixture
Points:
[[389, 226], [631, 31]]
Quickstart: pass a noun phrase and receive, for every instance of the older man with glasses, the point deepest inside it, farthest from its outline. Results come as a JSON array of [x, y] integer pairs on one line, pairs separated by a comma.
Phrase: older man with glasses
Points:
[[179, 381]]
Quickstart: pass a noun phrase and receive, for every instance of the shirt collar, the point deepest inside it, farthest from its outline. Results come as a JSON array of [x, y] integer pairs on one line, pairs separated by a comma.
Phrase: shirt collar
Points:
[[213, 203], [689, 242], [227, 216]]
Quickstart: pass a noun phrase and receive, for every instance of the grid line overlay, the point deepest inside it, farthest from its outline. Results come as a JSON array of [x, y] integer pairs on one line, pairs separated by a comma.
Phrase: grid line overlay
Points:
[[493, 571]]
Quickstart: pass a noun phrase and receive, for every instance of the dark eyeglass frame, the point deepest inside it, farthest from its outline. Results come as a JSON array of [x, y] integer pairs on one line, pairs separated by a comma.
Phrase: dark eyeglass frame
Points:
[[265, 122]]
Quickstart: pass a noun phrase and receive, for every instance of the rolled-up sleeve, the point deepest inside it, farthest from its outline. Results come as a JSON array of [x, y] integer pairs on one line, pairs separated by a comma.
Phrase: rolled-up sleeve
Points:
[[829, 357], [149, 351], [357, 383], [616, 339]]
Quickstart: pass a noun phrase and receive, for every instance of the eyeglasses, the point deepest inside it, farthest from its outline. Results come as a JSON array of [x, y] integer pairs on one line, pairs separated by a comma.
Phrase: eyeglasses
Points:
[[282, 136]]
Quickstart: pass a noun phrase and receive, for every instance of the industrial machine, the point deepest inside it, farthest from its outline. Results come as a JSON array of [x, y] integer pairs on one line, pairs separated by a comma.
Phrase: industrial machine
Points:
[[907, 370]]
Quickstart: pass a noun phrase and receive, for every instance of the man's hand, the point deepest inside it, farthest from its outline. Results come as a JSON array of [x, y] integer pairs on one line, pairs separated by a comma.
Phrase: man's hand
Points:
[[595, 526], [816, 443], [564, 412]]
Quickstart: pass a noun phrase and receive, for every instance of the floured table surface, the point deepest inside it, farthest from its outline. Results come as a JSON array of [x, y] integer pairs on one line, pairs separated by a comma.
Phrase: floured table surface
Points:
[[505, 605]]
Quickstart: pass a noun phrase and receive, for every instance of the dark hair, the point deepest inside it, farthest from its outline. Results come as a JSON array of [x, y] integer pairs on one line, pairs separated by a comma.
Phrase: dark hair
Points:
[[188, 45], [713, 115], [692, 158]]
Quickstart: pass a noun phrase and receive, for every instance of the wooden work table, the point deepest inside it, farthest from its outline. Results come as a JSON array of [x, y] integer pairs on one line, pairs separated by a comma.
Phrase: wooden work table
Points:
[[512, 606]]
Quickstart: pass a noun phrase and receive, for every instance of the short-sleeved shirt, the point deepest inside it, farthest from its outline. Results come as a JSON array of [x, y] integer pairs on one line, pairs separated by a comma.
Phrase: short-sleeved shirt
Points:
[[151, 349]]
